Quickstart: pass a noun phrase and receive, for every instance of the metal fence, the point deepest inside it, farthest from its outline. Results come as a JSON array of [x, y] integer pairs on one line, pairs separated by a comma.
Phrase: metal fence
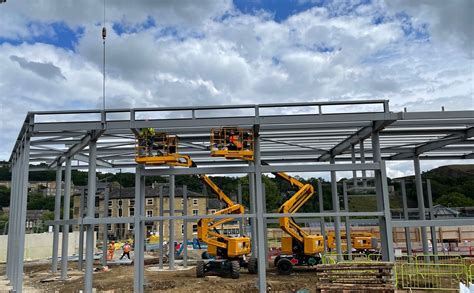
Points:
[[421, 272]]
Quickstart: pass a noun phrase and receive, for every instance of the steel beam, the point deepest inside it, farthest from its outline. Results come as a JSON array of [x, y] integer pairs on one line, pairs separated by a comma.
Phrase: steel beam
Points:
[[362, 134], [437, 144], [436, 223]]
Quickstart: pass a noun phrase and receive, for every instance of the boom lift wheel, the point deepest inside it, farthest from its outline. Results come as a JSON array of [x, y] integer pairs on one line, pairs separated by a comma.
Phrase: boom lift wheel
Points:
[[235, 269], [205, 255], [200, 269], [253, 265], [284, 266]]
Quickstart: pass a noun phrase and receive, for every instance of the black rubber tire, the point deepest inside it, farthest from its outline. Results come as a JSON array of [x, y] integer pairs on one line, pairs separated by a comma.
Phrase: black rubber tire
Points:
[[275, 261], [284, 266], [205, 255], [200, 269], [252, 265], [234, 269]]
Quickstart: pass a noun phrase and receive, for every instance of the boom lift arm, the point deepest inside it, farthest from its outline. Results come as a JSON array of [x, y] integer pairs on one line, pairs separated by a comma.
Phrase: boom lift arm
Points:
[[293, 204], [207, 228]]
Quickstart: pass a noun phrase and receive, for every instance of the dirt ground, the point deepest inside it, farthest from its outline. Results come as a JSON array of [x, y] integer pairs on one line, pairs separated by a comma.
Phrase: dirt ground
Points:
[[120, 279]]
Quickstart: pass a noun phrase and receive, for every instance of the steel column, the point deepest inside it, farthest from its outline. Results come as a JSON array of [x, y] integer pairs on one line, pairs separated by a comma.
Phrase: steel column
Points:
[[138, 278], [18, 284], [15, 195], [336, 209], [265, 235], [161, 229], [421, 203], [434, 241], [354, 172], [185, 223], [362, 161], [90, 213], [383, 203], [406, 217], [347, 221], [171, 223], [261, 229], [322, 221], [12, 219], [66, 207], [239, 201], [80, 261], [105, 237], [141, 244], [253, 221], [57, 217]]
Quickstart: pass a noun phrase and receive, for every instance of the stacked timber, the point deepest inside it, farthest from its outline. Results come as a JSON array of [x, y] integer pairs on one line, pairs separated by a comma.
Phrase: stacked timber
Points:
[[356, 277]]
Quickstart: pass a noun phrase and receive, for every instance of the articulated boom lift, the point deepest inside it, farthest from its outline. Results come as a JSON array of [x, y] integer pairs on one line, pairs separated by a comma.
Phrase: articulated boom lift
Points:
[[159, 149], [224, 253], [298, 248]]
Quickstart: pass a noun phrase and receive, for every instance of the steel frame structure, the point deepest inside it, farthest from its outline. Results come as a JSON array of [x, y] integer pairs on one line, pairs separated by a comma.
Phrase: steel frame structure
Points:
[[355, 136]]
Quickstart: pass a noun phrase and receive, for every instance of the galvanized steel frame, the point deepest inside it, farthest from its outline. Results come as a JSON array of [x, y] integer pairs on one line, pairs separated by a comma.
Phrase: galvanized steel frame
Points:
[[292, 137]]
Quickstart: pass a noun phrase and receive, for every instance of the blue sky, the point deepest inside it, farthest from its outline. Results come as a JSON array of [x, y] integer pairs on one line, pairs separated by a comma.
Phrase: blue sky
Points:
[[418, 54]]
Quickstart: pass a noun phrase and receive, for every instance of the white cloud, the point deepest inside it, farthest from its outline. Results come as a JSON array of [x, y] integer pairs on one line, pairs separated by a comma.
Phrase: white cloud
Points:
[[207, 52]]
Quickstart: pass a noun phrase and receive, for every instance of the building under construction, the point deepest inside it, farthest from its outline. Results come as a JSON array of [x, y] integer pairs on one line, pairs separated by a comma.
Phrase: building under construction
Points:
[[301, 138]]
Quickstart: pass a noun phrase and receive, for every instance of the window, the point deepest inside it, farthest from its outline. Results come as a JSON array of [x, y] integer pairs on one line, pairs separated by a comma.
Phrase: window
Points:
[[109, 213], [131, 226], [131, 212], [131, 202], [195, 201], [195, 212], [149, 201], [195, 228], [182, 229], [109, 227], [149, 213], [110, 203], [120, 202], [120, 212]]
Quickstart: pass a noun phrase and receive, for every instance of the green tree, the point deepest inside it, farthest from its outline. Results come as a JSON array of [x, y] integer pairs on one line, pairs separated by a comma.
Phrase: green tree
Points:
[[455, 199]]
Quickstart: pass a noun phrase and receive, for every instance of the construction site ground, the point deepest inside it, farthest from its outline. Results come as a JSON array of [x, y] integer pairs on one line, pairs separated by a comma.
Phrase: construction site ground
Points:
[[38, 278]]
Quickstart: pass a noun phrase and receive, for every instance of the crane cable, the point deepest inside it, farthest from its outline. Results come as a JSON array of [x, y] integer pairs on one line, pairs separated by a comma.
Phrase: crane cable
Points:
[[104, 35]]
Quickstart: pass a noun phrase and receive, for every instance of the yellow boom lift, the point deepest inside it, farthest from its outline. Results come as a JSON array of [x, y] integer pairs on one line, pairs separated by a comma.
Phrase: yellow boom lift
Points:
[[225, 254], [298, 248]]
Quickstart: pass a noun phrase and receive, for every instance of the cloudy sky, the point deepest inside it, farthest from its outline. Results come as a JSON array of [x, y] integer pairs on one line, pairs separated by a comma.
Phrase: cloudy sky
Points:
[[418, 54]]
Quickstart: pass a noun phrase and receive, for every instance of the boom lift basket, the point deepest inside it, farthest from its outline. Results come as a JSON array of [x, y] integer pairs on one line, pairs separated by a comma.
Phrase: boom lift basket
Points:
[[159, 149], [232, 143]]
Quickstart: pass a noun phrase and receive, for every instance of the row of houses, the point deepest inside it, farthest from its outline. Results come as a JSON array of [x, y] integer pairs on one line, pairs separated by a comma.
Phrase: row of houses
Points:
[[121, 203]]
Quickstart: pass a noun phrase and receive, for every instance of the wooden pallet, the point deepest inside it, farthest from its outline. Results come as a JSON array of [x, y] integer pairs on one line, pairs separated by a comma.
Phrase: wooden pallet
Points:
[[355, 277]]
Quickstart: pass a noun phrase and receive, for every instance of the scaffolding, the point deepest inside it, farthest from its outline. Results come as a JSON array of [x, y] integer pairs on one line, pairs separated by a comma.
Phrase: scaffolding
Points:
[[354, 136]]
